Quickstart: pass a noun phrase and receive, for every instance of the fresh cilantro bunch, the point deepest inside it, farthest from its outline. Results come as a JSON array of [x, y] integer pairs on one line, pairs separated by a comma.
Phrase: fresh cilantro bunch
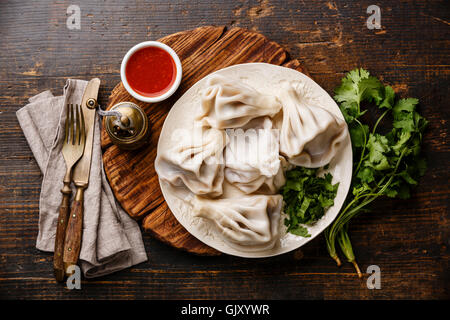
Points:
[[384, 164], [306, 197]]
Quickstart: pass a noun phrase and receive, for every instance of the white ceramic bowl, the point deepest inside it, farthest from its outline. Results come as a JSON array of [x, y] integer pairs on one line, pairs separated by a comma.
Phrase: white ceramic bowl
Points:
[[175, 58]]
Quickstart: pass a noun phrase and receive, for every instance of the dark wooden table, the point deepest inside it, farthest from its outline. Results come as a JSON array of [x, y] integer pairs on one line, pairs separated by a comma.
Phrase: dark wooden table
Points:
[[409, 240]]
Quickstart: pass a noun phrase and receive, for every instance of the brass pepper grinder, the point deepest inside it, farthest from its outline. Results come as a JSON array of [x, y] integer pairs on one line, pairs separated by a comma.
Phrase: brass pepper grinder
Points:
[[127, 125]]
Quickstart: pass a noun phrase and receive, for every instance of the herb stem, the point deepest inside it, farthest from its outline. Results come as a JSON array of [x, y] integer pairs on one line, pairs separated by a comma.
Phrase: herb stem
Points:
[[383, 165], [379, 120], [363, 150], [338, 261], [358, 271], [347, 214]]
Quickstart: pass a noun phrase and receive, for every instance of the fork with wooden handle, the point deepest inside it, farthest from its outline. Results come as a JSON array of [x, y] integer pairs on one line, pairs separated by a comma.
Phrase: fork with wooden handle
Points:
[[80, 178], [73, 148]]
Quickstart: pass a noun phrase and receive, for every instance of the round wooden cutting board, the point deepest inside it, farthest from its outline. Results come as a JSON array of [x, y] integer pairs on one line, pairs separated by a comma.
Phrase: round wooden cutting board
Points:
[[131, 174]]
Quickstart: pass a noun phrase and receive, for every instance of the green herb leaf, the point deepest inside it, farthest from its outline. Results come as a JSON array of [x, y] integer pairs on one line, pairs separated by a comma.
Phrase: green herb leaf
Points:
[[300, 231], [371, 90], [307, 196], [378, 147], [389, 96], [358, 134], [389, 164], [366, 174]]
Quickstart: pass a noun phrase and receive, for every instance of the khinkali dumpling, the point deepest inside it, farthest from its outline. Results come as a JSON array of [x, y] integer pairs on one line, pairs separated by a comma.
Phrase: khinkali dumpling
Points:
[[232, 104], [310, 135], [196, 162], [252, 160], [248, 223]]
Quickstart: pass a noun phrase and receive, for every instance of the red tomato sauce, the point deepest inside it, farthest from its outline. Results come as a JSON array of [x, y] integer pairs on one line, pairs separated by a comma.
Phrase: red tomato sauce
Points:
[[150, 71]]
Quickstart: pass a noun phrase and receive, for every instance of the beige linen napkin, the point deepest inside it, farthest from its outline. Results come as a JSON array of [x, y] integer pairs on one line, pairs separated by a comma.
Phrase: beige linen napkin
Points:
[[111, 239]]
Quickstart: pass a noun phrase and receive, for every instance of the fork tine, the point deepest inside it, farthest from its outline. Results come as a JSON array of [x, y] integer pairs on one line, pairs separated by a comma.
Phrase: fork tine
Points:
[[78, 125], [72, 126], [66, 137]]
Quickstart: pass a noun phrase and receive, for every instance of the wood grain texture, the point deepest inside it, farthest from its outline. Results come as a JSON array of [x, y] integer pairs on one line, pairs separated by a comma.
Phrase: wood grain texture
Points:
[[74, 232], [132, 175], [63, 217], [409, 239]]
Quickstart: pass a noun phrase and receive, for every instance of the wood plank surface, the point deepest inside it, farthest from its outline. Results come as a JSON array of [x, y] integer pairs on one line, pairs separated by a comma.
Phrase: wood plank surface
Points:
[[409, 239]]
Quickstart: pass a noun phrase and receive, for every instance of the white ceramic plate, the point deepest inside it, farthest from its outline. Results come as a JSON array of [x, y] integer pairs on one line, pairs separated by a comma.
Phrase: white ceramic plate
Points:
[[263, 77]]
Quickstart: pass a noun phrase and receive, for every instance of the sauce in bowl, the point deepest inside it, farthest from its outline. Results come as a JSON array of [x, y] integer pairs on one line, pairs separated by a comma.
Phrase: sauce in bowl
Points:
[[150, 71]]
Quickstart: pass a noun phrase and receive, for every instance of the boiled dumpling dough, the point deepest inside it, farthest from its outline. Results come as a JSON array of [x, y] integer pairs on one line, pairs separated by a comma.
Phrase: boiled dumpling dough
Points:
[[248, 223], [252, 161], [232, 104], [250, 180], [195, 162], [310, 136]]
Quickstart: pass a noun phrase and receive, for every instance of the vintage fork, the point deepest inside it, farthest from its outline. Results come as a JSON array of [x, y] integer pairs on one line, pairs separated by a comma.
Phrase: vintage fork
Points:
[[72, 150]]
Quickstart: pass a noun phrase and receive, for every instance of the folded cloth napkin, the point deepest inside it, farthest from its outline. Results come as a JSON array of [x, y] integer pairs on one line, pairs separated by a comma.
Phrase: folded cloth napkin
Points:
[[111, 239]]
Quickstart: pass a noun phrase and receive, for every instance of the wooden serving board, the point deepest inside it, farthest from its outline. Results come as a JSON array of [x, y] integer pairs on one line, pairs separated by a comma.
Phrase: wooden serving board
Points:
[[132, 174]]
